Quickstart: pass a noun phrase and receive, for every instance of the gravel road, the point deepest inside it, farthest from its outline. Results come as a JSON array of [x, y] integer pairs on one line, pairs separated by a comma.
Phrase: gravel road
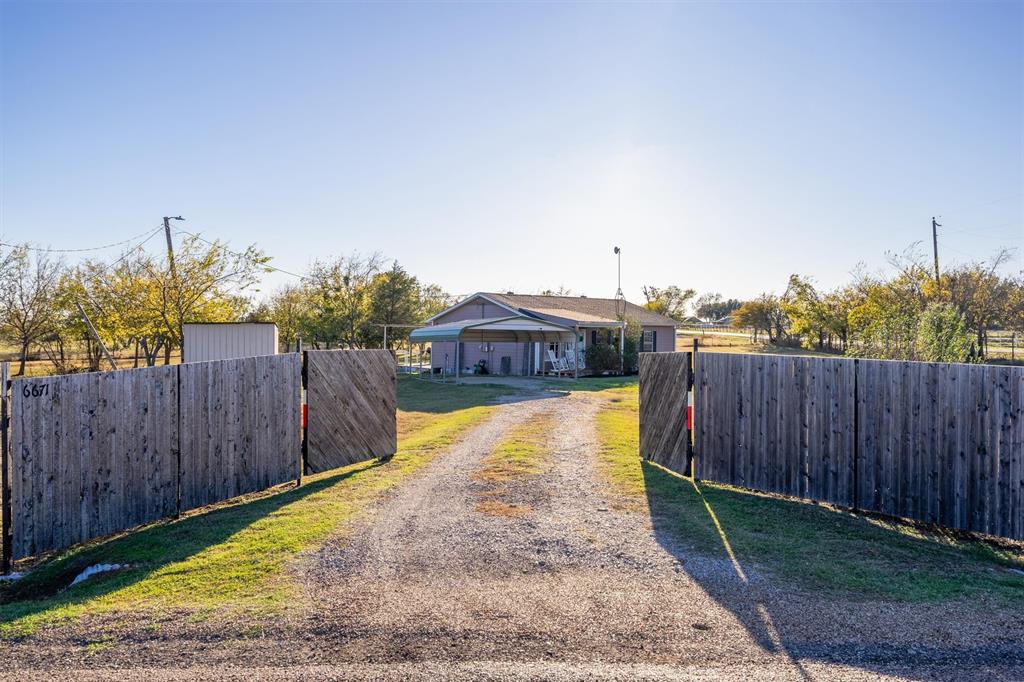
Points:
[[426, 586]]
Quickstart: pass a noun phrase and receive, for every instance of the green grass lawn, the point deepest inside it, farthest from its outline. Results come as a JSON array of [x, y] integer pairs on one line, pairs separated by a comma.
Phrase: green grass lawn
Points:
[[814, 546], [232, 558]]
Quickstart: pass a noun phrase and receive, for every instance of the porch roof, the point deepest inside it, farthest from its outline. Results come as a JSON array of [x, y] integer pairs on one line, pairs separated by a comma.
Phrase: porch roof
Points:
[[517, 329]]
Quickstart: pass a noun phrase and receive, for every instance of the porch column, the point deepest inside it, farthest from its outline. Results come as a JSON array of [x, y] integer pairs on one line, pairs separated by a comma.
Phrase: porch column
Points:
[[576, 352], [457, 360], [622, 350]]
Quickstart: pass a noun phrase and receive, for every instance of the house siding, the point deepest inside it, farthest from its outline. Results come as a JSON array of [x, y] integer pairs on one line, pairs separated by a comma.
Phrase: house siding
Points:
[[472, 353], [477, 310], [522, 361], [665, 338]]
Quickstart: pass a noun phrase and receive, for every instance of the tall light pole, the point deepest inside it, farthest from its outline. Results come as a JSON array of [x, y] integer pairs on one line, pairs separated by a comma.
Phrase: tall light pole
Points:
[[620, 300], [620, 312]]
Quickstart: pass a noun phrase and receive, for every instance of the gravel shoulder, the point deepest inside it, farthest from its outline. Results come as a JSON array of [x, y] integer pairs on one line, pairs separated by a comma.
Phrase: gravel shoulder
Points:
[[426, 586]]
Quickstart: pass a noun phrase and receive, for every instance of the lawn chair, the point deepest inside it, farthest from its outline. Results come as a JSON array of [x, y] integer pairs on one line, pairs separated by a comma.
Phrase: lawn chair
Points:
[[575, 361], [558, 365]]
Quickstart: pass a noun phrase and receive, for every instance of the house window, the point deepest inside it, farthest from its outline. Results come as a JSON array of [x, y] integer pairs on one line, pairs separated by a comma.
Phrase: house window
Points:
[[648, 342]]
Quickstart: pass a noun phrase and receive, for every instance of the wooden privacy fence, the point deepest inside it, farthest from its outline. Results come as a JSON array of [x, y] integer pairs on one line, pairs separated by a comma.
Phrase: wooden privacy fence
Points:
[[94, 454], [240, 426], [665, 379], [781, 424], [345, 426], [941, 443]]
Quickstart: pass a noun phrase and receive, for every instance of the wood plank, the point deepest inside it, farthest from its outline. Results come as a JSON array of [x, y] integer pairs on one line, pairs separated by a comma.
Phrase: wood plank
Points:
[[352, 406], [85, 444]]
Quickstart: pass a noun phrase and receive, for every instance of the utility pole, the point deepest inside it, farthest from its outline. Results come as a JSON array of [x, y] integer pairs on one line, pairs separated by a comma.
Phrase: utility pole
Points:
[[935, 246], [174, 281], [170, 245]]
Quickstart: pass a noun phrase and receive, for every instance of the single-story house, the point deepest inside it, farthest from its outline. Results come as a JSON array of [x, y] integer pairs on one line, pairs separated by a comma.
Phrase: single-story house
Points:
[[513, 333]]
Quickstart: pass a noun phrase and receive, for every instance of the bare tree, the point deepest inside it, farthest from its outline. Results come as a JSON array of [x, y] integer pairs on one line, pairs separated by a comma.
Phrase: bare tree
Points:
[[27, 307]]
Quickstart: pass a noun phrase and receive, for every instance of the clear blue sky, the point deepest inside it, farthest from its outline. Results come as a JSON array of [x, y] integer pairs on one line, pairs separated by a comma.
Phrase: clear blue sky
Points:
[[511, 146]]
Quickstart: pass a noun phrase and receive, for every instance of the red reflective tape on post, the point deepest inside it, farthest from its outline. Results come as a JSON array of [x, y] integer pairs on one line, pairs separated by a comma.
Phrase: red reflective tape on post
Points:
[[689, 417], [305, 415]]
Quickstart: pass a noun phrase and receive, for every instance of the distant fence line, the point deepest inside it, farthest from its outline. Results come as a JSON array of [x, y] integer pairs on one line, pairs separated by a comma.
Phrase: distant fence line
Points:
[[940, 443], [94, 454]]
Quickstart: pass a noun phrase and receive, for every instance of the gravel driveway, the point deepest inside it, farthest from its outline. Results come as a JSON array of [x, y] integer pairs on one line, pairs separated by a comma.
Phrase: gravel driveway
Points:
[[428, 587]]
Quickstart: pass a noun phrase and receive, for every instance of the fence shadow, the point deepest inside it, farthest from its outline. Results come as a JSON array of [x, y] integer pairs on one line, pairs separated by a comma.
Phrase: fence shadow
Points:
[[747, 552], [148, 550]]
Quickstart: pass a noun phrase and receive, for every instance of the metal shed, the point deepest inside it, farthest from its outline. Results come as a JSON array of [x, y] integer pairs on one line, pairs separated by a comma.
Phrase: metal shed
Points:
[[225, 340]]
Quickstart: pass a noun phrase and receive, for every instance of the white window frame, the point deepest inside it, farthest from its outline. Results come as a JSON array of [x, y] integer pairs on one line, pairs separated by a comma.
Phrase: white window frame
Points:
[[647, 345]]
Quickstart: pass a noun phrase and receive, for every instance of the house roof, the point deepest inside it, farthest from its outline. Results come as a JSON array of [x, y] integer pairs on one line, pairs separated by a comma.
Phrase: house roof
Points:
[[579, 308], [515, 328]]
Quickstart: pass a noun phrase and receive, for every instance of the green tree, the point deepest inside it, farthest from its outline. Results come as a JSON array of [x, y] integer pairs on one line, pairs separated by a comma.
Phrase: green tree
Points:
[[886, 322], [942, 335], [671, 300], [979, 295], [207, 285], [763, 314], [339, 299], [711, 306], [286, 308], [394, 299]]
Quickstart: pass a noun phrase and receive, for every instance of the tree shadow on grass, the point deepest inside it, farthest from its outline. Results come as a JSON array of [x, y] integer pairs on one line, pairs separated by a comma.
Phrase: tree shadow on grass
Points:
[[780, 565], [147, 550]]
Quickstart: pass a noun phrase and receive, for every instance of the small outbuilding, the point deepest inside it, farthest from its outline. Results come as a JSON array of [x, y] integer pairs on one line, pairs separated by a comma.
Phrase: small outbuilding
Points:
[[225, 340]]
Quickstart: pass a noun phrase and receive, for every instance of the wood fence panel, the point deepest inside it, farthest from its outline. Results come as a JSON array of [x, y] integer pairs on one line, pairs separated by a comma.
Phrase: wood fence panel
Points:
[[776, 423], [664, 383], [943, 443], [351, 402], [93, 454], [240, 426]]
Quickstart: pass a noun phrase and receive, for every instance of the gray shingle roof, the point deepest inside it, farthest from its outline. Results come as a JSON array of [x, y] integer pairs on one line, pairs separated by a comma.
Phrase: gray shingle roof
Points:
[[581, 308]]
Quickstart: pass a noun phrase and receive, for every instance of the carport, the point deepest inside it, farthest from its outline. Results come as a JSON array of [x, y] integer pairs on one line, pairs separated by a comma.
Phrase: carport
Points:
[[513, 329]]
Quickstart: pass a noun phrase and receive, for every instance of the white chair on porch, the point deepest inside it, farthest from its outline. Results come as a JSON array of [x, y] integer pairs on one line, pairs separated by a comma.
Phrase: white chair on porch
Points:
[[558, 365], [574, 360]]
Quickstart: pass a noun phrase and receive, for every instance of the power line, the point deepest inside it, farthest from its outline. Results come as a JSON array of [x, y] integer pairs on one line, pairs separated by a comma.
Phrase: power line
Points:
[[108, 266], [241, 255], [971, 207], [91, 248], [991, 232]]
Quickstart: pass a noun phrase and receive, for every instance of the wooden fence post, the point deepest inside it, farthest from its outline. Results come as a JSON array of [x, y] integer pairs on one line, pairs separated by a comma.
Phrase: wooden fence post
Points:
[[177, 439], [304, 406], [691, 409], [5, 465], [856, 435]]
